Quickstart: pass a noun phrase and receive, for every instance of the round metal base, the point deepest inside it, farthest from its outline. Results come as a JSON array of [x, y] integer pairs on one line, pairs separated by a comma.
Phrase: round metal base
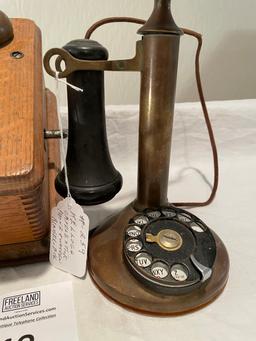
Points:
[[114, 279]]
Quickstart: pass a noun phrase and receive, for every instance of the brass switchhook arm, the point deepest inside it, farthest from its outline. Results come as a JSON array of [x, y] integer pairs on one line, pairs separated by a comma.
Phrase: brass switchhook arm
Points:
[[135, 64], [73, 64], [198, 36]]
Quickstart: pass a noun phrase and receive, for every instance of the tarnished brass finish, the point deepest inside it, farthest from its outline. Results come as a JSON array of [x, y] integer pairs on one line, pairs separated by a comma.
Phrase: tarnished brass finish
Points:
[[168, 240], [6, 29], [106, 264], [114, 279], [158, 84], [157, 60], [160, 47], [161, 20]]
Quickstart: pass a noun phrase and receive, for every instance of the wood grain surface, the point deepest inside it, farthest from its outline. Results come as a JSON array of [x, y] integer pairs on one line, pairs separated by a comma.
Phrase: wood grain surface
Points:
[[24, 155]]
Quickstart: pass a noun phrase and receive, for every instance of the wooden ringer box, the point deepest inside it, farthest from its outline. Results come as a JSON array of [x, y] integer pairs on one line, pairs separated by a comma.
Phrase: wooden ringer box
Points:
[[27, 161]]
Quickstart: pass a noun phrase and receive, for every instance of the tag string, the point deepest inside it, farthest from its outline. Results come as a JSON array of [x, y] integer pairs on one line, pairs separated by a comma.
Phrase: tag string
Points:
[[63, 154], [68, 84]]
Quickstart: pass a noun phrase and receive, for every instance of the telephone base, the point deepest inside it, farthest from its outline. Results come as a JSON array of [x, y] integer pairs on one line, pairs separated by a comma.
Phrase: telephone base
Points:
[[111, 275]]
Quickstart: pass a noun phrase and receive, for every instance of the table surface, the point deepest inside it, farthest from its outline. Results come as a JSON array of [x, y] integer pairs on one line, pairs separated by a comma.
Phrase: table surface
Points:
[[232, 316]]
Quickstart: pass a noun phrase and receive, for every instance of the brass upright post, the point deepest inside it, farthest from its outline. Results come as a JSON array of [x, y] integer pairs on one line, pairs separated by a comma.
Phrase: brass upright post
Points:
[[107, 263], [158, 86]]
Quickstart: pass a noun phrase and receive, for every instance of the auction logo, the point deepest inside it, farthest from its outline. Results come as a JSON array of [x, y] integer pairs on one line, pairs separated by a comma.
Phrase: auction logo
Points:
[[21, 301]]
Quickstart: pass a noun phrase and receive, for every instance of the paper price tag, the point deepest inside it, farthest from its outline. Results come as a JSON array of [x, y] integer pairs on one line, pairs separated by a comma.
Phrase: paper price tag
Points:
[[69, 237]]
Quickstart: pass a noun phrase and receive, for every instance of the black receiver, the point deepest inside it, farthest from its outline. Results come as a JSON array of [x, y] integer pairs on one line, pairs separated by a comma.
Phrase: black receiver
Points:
[[91, 174]]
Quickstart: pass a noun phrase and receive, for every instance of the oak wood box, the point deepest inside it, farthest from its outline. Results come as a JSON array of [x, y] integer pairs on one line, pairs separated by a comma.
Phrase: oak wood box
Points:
[[27, 161]]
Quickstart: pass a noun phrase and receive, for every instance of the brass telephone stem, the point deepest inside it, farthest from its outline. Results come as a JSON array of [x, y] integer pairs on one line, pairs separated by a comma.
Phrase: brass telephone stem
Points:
[[106, 253], [198, 36], [158, 86]]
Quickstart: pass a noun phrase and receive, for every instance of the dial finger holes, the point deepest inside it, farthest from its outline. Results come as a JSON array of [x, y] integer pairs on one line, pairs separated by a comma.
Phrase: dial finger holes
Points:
[[184, 217], [179, 272], [159, 270], [154, 214], [197, 227], [143, 260], [168, 212], [133, 231], [134, 245], [141, 220]]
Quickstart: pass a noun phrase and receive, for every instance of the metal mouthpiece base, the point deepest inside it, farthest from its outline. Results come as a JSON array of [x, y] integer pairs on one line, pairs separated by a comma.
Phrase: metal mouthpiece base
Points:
[[161, 20], [110, 273]]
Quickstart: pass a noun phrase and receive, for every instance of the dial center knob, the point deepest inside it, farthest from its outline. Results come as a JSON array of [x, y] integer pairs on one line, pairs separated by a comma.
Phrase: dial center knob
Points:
[[167, 239]]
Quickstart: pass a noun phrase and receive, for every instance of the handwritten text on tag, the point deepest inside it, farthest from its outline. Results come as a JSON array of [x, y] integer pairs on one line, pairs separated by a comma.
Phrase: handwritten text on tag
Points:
[[69, 237]]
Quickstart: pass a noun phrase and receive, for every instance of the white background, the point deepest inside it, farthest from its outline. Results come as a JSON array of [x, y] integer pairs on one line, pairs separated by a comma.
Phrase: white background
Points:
[[228, 67], [228, 27]]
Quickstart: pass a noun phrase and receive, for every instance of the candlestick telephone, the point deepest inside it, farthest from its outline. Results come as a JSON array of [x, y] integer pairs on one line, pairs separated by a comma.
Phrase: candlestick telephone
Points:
[[153, 256]]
